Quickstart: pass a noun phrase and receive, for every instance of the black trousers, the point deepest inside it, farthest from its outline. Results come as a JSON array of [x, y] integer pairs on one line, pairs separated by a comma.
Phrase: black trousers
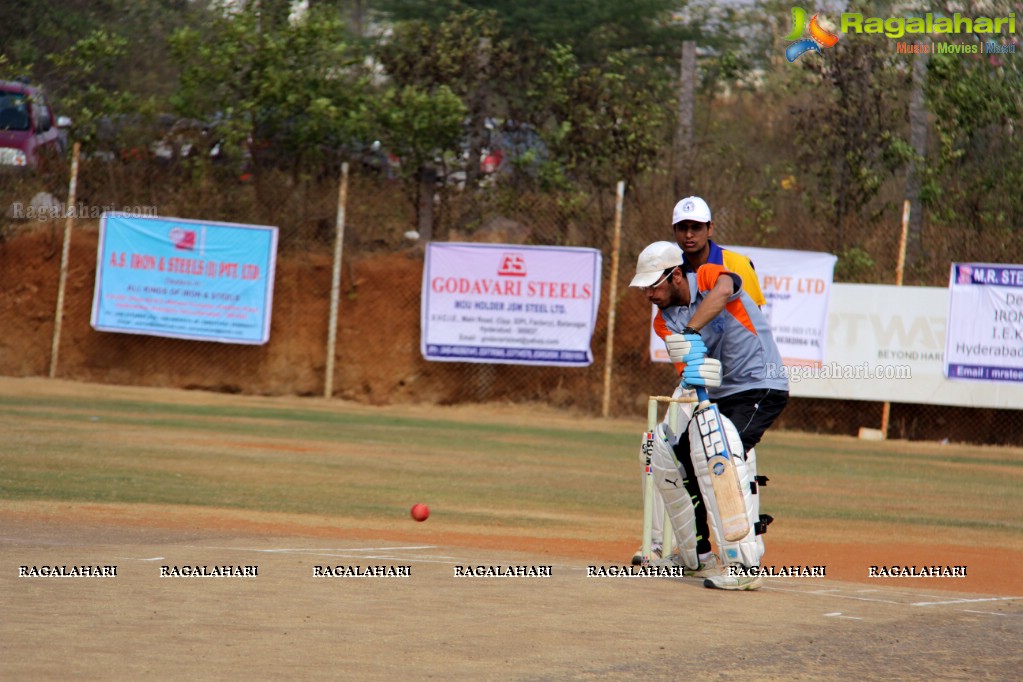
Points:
[[752, 412]]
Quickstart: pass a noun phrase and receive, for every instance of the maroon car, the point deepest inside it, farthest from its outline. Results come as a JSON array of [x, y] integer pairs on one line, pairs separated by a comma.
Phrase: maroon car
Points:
[[29, 132]]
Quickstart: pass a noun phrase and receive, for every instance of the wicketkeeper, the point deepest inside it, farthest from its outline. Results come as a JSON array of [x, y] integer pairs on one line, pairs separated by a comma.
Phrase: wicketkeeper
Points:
[[724, 344]]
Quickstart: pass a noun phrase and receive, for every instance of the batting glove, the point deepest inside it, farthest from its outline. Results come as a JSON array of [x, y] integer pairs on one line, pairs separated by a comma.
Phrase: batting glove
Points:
[[681, 346], [703, 371]]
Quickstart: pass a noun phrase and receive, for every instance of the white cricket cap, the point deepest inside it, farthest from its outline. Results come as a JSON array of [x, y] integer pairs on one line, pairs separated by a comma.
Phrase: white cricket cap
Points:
[[691, 208], [653, 261]]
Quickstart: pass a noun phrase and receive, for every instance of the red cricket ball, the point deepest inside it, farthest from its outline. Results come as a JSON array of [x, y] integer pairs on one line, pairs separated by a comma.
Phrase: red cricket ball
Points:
[[420, 512]]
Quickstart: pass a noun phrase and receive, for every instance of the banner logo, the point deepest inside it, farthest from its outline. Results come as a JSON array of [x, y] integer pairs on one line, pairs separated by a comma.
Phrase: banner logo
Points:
[[512, 265], [183, 240]]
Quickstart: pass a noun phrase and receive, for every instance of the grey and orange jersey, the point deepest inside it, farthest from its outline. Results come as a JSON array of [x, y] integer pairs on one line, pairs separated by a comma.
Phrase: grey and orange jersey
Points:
[[739, 336]]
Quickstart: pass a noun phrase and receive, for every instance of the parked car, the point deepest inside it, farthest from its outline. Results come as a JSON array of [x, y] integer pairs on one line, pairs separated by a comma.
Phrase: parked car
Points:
[[29, 132], [187, 137]]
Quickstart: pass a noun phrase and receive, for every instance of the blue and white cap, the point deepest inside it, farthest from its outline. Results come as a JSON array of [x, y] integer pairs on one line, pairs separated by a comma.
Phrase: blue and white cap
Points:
[[691, 208]]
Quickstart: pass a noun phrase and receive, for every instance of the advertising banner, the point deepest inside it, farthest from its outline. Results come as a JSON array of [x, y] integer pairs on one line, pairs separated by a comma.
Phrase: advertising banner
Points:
[[985, 322], [509, 304], [184, 279], [887, 343]]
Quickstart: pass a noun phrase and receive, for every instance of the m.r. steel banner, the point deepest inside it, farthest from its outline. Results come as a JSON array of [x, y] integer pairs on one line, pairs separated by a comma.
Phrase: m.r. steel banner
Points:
[[505, 304], [985, 322], [184, 279]]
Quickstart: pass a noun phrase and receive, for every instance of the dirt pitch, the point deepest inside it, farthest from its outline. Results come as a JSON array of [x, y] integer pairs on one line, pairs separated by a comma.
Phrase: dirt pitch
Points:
[[284, 623]]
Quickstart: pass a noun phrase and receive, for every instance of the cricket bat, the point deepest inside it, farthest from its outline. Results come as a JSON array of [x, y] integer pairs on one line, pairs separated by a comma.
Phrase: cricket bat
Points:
[[727, 491]]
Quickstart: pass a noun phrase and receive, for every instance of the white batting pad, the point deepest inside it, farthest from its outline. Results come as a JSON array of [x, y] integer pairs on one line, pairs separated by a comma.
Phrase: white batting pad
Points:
[[668, 477]]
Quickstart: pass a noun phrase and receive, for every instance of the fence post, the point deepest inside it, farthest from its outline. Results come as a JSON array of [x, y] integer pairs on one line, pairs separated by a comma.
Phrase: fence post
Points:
[[69, 219], [335, 282], [612, 299], [900, 265]]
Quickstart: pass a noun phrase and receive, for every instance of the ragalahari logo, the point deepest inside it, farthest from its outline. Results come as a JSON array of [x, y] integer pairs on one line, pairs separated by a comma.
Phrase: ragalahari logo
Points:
[[819, 36], [512, 265]]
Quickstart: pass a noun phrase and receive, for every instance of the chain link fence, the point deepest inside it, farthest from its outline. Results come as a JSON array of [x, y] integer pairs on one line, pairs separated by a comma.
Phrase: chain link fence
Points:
[[377, 357]]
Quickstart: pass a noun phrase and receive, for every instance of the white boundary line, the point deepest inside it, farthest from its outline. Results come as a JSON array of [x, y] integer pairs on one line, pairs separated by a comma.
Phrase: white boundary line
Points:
[[962, 601], [836, 592], [341, 549]]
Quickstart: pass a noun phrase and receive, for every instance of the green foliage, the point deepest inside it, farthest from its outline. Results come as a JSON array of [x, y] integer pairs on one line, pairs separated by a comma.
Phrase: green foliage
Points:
[[296, 89], [463, 52], [604, 124], [974, 179], [853, 127], [10, 70], [854, 265], [591, 29], [414, 123], [93, 105], [462, 55]]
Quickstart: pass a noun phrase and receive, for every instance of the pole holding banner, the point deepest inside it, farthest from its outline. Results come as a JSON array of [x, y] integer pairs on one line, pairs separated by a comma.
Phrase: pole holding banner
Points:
[[69, 219], [335, 283], [612, 299]]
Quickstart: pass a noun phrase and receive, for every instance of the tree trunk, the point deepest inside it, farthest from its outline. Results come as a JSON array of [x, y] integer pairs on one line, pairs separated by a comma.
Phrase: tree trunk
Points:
[[424, 209], [684, 138], [918, 140]]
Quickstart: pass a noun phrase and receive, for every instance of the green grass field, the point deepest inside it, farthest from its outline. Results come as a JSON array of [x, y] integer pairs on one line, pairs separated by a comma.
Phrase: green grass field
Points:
[[140, 478], [525, 468]]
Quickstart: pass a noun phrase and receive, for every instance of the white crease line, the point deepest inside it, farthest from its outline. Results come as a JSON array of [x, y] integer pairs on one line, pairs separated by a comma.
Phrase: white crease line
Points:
[[299, 551], [135, 558], [378, 557], [839, 615], [346, 549], [342, 553], [386, 557], [832, 593], [961, 601], [985, 613]]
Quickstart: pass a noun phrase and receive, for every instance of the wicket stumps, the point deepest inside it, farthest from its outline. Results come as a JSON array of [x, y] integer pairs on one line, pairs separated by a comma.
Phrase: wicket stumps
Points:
[[649, 491]]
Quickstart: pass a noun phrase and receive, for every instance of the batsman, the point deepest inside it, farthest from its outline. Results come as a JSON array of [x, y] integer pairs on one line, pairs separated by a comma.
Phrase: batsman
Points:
[[707, 473]]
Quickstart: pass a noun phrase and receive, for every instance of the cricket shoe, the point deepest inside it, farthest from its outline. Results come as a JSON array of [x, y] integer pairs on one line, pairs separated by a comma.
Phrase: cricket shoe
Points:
[[709, 567], [725, 581], [655, 552]]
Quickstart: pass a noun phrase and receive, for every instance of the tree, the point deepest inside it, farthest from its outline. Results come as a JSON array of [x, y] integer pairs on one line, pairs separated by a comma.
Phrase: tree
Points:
[[604, 123], [462, 54], [295, 93], [851, 124], [591, 29], [31, 32], [97, 103], [415, 123], [977, 101]]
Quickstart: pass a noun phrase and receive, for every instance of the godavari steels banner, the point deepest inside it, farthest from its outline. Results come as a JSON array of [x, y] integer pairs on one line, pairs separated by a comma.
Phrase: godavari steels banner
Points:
[[508, 304]]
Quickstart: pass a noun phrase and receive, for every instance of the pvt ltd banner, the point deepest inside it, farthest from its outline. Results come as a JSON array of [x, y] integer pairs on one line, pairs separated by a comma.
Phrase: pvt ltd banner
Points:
[[985, 322], [797, 288], [184, 279], [505, 304]]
